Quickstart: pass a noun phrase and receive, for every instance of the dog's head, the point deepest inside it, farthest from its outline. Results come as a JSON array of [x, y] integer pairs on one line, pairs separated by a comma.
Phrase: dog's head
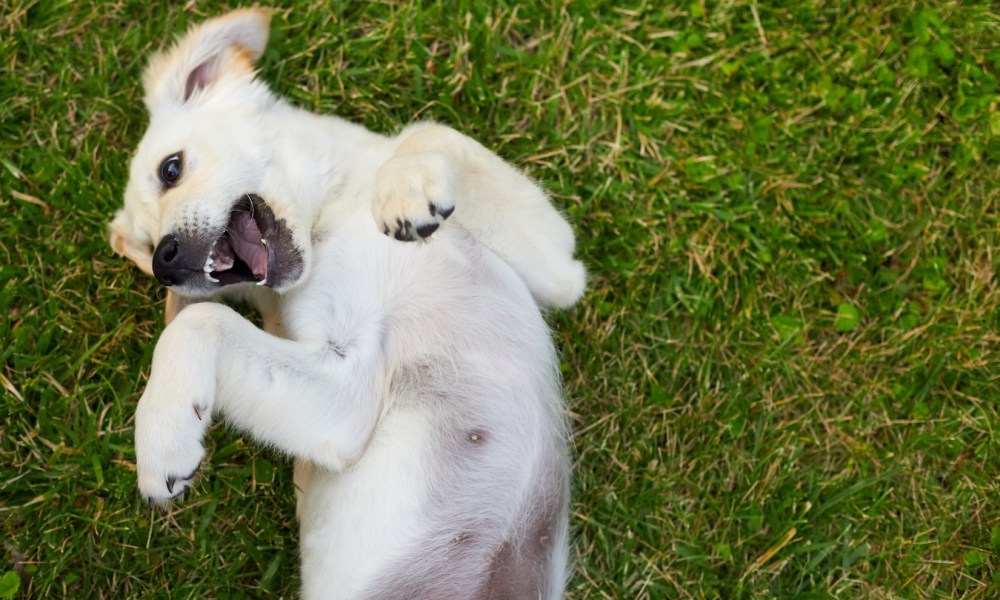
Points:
[[197, 213]]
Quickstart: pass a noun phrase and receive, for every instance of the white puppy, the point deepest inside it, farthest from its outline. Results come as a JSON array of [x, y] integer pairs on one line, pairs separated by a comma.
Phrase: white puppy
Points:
[[415, 383]]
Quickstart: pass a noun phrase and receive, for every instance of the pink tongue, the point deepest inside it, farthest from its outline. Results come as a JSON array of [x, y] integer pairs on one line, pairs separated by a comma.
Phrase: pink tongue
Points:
[[245, 240]]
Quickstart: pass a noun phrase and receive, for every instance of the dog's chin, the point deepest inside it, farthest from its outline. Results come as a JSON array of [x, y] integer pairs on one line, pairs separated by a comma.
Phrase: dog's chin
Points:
[[254, 249]]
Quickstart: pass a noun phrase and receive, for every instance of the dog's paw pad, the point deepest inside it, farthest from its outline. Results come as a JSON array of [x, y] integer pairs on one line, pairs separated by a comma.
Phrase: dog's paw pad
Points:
[[414, 196], [427, 229], [445, 212], [405, 230]]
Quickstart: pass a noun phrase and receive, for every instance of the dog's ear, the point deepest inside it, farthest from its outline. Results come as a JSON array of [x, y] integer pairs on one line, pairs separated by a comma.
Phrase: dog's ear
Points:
[[126, 242], [221, 46]]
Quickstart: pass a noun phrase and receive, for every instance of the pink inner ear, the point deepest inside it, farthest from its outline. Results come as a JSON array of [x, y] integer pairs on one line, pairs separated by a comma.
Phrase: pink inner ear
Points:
[[200, 77]]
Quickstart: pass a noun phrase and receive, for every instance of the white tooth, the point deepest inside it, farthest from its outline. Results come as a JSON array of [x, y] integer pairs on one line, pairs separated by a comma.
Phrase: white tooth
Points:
[[262, 282], [212, 279], [263, 241]]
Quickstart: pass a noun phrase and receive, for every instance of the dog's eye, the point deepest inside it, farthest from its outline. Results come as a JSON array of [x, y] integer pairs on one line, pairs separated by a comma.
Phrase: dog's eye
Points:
[[170, 169]]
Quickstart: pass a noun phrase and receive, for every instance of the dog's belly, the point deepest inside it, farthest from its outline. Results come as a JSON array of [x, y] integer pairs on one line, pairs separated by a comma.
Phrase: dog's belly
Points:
[[419, 513]]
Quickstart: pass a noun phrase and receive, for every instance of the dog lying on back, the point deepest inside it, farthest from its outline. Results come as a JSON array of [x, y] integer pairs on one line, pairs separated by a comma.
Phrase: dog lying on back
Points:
[[415, 384]]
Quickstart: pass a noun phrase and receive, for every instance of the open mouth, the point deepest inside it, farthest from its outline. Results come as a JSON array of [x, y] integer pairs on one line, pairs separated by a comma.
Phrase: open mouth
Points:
[[253, 247], [242, 252]]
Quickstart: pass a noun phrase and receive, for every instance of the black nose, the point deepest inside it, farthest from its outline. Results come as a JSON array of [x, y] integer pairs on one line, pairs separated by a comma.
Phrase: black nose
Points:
[[168, 262]]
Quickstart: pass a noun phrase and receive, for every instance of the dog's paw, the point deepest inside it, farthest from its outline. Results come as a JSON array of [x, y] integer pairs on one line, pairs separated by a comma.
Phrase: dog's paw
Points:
[[414, 195], [168, 445]]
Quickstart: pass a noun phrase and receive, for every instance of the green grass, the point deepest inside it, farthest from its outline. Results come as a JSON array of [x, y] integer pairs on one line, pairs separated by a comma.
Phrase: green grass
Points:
[[783, 379]]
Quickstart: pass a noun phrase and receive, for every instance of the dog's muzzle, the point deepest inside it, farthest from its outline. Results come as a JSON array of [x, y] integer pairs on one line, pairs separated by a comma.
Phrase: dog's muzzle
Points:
[[253, 247]]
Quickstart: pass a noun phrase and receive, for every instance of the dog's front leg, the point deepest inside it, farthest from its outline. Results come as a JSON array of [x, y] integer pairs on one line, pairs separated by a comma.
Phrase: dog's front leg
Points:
[[436, 171], [416, 189], [318, 402]]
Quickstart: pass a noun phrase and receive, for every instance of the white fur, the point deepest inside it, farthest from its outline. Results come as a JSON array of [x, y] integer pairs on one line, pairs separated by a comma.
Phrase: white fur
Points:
[[414, 382]]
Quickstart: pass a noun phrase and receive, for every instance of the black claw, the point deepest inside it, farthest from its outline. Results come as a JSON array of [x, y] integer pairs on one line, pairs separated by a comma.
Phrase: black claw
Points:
[[170, 484], [425, 230], [149, 502], [197, 411], [386, 231], [400, 235], [446, 212], [433, 208]]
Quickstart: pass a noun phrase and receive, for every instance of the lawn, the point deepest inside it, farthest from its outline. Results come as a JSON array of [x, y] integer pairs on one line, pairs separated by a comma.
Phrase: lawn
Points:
[[784, 379]]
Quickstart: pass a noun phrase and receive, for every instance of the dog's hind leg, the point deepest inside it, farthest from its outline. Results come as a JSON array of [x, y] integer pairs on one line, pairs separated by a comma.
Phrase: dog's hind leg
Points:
[[436, 171], [308, 400]]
